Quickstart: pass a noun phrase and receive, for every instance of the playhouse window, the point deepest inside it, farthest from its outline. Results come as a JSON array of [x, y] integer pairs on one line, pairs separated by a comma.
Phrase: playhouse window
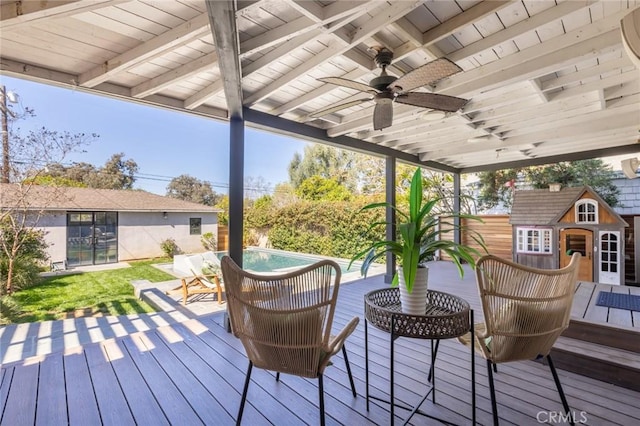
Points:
[[534, 240], [586, 211]]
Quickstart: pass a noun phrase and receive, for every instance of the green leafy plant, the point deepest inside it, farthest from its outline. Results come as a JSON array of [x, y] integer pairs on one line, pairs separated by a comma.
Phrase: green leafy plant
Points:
[[209, 241], [421, 233], [169, 247]]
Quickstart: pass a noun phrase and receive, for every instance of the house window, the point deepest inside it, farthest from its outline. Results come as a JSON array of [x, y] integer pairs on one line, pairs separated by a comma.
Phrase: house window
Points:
[[534, 240], [586, 211], [195, 226]]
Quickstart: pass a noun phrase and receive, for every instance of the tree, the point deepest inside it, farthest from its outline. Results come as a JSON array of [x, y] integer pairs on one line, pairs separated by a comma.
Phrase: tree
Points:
[[497, 186], [117, 173], [318, 188], [594, 173], [255, 187], [189, 188], [223, 204], [22, 211], [324, 161]]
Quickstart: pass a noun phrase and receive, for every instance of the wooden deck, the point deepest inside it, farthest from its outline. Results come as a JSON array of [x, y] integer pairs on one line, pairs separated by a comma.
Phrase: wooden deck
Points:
[[192, 372], [585, 308]]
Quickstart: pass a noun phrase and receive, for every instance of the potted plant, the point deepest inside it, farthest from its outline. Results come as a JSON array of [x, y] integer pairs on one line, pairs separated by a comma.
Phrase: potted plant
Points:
[[420, 233]]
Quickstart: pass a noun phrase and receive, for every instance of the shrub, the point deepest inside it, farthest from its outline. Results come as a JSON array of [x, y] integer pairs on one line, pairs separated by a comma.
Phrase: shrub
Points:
[[209, 241], [9, 309], [169, 247], [325, 228]]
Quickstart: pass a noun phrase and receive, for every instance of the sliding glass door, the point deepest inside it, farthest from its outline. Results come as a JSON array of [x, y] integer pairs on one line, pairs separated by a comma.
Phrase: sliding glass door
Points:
[[92, 238]]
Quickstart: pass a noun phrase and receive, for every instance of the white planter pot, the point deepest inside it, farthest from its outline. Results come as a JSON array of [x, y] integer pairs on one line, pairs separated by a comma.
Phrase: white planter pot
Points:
[[414, 303]]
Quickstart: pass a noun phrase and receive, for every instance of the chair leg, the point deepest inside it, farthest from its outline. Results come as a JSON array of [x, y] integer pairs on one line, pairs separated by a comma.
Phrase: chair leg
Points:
[[492, 390], [565, 404], [321, 399], [277, 376], [244, 393], [346, 362]]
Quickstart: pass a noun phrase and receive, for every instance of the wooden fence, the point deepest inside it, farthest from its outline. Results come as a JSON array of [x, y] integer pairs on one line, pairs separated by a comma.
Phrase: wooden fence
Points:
[[495, 231], [223, 238]]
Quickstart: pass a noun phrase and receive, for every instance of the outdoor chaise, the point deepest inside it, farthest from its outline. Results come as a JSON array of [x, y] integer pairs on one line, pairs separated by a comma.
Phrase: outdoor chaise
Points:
[[284, 321], [203, 280], [525, 311]]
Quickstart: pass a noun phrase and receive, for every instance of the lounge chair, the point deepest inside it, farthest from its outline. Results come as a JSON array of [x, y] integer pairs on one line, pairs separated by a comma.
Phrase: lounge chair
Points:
[[284, 321], [525, 311], [200, 282]]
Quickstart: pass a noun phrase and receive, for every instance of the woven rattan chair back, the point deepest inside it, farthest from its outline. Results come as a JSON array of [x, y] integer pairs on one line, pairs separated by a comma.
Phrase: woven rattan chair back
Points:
[[525, 309], [284, 320]]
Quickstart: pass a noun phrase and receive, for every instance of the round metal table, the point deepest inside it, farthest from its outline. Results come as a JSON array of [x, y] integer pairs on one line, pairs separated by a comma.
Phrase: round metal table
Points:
[[446, 316]]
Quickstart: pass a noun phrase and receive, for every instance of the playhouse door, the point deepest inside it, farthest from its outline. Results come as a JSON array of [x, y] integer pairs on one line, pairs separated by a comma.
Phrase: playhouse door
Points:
[[577, 240], [609, 269]]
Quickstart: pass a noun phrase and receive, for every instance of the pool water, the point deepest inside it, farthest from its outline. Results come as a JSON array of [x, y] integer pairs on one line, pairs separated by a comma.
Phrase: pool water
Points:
[[266, 260]]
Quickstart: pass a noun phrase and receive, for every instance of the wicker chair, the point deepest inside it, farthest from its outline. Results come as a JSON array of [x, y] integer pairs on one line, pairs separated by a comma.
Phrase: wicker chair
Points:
[[284, 321], [525, 311]]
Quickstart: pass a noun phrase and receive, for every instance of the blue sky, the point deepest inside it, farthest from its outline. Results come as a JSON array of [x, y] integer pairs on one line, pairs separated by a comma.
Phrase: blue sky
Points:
[[164, 143]]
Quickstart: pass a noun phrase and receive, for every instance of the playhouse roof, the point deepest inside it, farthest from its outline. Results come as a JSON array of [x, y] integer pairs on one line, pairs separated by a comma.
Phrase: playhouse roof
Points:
[[544, 207]]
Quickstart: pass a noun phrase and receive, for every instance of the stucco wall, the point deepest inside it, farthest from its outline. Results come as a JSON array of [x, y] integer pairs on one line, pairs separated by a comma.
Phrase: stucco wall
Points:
[[55, 227], [140, 234]]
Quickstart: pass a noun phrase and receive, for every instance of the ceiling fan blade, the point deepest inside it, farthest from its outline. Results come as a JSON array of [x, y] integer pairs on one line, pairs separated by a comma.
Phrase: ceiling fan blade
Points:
[[350, 84], [338, 108], [425, 75], [432, 101], [382, 115]]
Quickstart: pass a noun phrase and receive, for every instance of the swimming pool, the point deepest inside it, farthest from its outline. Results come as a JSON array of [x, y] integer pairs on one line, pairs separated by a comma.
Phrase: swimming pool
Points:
[[268, 260]]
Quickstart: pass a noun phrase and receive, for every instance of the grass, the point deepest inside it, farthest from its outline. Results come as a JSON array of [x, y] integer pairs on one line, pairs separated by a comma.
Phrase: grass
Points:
[[105, 292]]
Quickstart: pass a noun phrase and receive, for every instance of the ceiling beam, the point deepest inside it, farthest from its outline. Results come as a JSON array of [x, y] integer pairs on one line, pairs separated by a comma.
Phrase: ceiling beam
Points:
[[159, 45], [576, 156], [540, 59], [586, 124], [334, 20], [222, 18], [390, 14], [530, 24], [66, 80], [184, 72], [283, 126], [18, 13], [464, 19]]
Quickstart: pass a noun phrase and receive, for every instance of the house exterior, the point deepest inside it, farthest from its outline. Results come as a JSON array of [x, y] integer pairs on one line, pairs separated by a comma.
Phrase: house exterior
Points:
[[85, 226], [548, 226]]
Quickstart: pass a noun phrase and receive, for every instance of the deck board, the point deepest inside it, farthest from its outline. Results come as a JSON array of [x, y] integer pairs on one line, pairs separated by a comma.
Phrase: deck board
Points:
[[81, 402], [193, 372], [51, 407], [620, 316], [20, 406], [166, 390]]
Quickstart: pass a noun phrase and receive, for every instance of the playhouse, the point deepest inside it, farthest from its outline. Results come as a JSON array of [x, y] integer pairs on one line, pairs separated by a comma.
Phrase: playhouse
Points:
[[549, 225]]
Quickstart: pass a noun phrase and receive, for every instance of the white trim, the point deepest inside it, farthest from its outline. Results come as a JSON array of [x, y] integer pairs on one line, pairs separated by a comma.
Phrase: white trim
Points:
[[587, 213], [609, 254], [534, 240]]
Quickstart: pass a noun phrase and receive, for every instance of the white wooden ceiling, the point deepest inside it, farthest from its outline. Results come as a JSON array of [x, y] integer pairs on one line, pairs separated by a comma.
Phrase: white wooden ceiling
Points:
[[546, 79]]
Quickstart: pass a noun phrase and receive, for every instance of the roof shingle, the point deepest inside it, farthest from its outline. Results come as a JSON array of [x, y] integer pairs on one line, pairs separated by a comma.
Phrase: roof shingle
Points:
[[55, 198]]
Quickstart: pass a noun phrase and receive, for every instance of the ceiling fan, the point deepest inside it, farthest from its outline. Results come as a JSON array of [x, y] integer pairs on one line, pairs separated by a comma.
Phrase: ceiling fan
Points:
[[387, 89]]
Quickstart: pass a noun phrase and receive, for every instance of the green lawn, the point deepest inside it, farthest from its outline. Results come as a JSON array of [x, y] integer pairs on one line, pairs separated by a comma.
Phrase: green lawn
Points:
[[107, 292]]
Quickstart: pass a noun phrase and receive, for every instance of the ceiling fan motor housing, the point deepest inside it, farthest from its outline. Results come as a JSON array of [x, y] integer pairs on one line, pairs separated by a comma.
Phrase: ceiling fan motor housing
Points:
[[382, 81]]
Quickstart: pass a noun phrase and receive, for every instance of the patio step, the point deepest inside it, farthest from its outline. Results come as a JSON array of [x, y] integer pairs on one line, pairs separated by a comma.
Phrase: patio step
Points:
[[612, 365], [613, 336]]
